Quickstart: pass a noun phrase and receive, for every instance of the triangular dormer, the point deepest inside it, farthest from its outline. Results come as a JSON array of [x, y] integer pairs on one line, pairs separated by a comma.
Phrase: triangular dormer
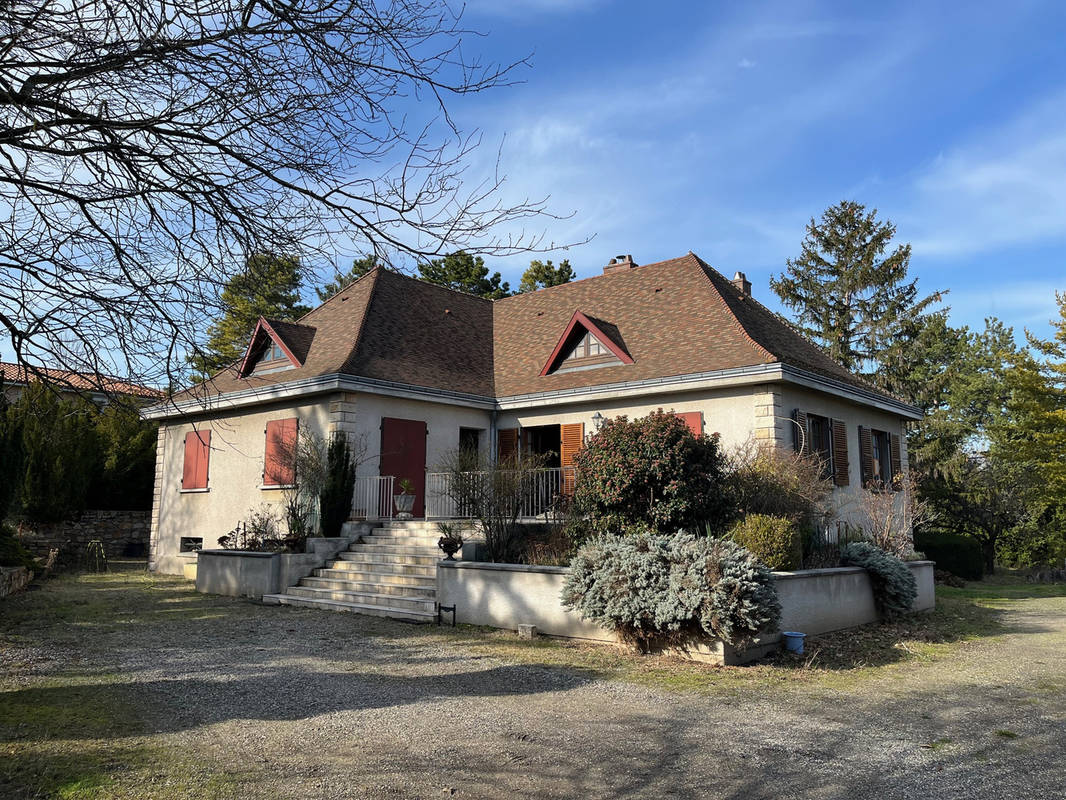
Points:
[[269, 350], [585, 344]]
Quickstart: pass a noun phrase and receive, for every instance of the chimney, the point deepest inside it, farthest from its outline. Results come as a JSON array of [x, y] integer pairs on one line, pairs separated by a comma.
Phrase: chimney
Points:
[[619, 263], [742, 283]]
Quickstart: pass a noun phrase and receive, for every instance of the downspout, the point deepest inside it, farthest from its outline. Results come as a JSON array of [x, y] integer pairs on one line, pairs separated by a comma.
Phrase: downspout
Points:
[[493, 447]]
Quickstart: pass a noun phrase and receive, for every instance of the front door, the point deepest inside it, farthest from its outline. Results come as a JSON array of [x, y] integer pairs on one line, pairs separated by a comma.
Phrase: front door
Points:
[[403, 455]]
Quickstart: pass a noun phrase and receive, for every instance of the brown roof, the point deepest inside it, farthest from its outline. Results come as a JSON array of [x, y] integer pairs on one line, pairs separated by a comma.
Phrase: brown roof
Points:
[[294, 336], [75, 381], [674, 317]]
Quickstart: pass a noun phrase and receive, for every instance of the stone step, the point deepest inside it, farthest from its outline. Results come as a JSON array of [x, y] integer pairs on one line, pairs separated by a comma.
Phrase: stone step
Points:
[[389, 558], [391, 548], [403, 576], [355, 608], [365, 598], [397, 589]]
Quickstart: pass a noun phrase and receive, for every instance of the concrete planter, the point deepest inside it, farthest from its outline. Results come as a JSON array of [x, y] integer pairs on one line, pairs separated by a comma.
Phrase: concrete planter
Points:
[[509, 595], [242, 573]]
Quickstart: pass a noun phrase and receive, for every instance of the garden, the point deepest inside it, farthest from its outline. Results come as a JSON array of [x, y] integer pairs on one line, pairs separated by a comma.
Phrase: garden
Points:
[[668, 540]]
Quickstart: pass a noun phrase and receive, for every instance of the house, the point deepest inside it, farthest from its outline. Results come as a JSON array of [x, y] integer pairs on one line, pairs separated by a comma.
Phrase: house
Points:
[[14, 378], [413, 371]]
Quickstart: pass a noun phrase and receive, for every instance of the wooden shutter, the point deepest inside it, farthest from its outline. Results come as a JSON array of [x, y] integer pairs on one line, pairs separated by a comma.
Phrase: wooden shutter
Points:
[[279, 465], [866, 455], [840, 452], [803, 447], [571, 438], [506, 443], [197, 453], [694, 420], [897, 463]]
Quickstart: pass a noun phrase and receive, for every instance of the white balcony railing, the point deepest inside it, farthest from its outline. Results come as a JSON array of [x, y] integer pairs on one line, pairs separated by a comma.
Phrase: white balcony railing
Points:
[[539, 493], [372, 498]]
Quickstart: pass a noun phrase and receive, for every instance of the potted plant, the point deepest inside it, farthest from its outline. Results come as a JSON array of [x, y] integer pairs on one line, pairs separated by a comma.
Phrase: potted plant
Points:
[[405, 500], [451, 541]]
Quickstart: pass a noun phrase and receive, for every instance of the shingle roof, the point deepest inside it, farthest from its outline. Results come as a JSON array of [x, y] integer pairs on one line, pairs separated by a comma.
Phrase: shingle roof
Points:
[[296, 337], [75, 381], [674, 317]]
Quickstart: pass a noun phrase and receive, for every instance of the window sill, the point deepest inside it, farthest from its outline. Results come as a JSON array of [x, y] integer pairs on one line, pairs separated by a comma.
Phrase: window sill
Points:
[[269, 487], [195, 491]]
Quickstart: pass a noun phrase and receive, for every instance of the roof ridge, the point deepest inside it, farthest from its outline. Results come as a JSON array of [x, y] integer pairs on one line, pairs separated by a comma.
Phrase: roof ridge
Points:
[[757, 346], [353, 351], [591, 278], [342, 290], [459, 292]]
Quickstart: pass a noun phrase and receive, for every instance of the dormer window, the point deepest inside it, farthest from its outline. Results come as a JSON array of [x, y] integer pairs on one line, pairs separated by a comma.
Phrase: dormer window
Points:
[[273, 356], [587, 343]]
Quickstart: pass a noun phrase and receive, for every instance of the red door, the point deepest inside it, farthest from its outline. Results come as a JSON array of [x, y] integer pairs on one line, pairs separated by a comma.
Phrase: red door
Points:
[[403, 455]]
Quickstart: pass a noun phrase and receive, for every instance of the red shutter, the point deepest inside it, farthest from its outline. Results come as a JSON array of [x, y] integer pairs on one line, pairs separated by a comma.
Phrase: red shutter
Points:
[[506, 443], [897, 463], [279, 458], [571, 439], [197, 453], [840, 453], [799, 430], [866, 455], [694, 420]]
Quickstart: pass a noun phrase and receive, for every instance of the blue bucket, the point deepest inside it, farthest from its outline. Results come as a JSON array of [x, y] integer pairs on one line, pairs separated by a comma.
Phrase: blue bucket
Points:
[[793, 641]]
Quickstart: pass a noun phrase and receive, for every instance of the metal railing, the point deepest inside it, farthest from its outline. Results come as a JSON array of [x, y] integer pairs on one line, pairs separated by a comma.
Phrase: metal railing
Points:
[[372, 498], [539, 492]]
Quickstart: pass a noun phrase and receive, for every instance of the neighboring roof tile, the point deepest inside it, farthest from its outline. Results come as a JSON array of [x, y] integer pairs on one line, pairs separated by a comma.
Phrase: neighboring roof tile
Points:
[[75, 381]]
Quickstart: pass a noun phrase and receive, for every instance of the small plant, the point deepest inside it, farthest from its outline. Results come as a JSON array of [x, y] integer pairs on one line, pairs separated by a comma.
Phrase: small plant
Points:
[[406, 487], [258, 532], [894, 586], [775, 541], [451, 540]]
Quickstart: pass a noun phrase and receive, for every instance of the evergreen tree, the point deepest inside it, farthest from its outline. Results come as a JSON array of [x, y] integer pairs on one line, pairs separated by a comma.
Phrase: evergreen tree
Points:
[[542, 274], [10, 454], [360, 267], [125, 474], [269, 286], [465, 273], [335, 499], [849, 296]]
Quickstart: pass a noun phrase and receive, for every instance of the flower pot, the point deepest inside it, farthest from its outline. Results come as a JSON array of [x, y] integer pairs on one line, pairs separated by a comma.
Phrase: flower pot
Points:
[[449, 546], [404, 504], [793, 641]]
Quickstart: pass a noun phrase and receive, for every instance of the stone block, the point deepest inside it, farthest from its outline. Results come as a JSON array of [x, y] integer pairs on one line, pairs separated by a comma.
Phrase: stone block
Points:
[[527, 631]]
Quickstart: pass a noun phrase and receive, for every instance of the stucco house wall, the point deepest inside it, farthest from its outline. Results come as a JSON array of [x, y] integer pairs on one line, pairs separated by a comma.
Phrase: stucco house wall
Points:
[[235, 475]]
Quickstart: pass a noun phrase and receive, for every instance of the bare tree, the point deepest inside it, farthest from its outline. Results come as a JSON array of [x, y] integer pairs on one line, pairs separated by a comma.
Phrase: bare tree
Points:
[[148, 146]]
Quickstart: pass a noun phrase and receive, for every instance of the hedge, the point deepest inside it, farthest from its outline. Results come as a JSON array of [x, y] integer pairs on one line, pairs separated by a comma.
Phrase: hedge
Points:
[[953, 552]]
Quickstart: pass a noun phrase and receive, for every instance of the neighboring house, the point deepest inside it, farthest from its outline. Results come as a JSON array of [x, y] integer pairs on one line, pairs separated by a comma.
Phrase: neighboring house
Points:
[[98, 388], [415, 371]]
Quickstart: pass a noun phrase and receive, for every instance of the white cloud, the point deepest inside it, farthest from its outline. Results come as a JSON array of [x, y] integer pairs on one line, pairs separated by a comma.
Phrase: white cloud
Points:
[[1005, 188], [746, 63]]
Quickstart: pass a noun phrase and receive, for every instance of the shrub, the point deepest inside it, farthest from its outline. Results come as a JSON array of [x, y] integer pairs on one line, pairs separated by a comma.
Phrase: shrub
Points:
[[335, 496], [12, 552], [653, 589], [775, 541], [651, 472], [895, 588], [953, 552], [777, 482]]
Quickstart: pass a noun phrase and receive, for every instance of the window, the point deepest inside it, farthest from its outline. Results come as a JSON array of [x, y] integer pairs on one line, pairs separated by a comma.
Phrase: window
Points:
[[273, 357], [820, 442], [588, 347], [880, 459], [191, 544], [197, 456]]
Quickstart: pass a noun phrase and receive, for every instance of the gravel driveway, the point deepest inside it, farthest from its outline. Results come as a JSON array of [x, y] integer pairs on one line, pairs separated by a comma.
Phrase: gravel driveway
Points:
[[269, 702]]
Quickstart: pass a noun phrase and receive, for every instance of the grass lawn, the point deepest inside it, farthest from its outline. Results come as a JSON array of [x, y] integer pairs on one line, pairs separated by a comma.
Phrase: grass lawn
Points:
[[75, 725]]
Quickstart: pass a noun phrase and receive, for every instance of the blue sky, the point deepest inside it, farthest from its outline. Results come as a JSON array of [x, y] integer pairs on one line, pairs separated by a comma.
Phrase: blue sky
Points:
[[722, 128]]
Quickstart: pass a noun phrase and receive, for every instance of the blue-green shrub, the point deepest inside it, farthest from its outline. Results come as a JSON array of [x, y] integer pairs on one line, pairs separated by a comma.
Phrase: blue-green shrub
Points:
[[894, 586], [653, 589]]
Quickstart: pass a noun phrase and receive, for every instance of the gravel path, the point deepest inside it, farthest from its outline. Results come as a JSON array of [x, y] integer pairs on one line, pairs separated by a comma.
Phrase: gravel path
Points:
[[294, 703]]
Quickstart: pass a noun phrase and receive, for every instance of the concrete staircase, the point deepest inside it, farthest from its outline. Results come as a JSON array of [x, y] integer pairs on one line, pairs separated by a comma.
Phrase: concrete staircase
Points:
[[392, 572]]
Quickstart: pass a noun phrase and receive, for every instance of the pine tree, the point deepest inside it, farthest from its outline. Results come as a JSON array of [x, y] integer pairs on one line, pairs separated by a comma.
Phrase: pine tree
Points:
[[465, 273], [542, 274], [360, 267], [849, 296], [269, 286], [335, 499]]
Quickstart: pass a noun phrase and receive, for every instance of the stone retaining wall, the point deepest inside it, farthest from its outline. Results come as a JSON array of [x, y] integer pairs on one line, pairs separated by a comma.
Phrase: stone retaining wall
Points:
[[13, 579], [123, 533]]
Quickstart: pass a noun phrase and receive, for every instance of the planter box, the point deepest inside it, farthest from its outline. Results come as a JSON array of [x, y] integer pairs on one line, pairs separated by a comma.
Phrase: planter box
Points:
[[241, 573], [813, 601]]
